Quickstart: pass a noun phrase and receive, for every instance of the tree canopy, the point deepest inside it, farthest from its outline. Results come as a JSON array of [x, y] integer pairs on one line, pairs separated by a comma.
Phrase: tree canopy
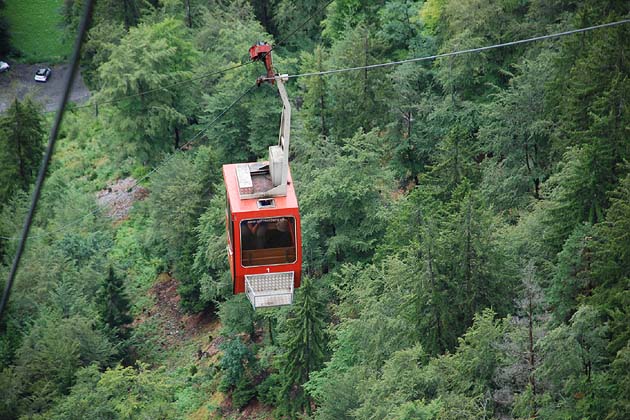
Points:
[[464, 220]]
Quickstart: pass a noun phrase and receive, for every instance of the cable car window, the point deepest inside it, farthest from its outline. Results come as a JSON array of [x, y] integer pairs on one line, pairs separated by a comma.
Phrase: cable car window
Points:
[[268, 241]]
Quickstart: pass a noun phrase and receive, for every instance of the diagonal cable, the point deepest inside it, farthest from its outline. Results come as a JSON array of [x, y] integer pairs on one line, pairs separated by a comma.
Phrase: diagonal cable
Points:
[[460, 52], [74, 64], [162, 164]]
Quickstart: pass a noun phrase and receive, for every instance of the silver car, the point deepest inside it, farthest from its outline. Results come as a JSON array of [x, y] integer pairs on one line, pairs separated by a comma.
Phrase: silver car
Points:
[[4, 66], [43, 74]]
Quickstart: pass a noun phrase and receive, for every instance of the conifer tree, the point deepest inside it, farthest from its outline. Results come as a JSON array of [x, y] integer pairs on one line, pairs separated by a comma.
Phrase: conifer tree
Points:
[[114, 302], [21, 146], [305, 347]]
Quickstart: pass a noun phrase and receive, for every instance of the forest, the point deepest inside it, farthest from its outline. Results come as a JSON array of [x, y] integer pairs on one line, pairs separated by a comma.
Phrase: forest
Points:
[[465, 219]]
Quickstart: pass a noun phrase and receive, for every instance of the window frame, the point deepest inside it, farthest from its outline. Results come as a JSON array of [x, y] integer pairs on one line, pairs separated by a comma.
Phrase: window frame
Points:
[[240, 226]]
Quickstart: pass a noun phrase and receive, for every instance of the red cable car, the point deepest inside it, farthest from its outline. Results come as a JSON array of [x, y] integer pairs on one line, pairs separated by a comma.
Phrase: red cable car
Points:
[[262, 216]]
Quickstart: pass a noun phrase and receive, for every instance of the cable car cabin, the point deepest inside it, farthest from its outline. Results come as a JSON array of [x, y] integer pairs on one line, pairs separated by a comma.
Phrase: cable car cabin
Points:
[[264, 240], [262, 215]]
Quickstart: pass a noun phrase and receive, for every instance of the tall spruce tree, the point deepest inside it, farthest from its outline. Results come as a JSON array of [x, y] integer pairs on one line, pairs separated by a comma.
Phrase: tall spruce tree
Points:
[[305, 347], [21, 146], [114, 302]]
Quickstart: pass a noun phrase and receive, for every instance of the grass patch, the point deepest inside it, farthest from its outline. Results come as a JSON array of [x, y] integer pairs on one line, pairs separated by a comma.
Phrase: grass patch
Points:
[[36, 28]]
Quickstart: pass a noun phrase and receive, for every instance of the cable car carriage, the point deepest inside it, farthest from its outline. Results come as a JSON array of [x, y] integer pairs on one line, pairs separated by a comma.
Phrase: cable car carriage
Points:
[[262, 215]]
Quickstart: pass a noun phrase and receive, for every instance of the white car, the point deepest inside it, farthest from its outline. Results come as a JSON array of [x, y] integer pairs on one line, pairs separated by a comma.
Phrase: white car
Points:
[[4, 66], [43, 74]]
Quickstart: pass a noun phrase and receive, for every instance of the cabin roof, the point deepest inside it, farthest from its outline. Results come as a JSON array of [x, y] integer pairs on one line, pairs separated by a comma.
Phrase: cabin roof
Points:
[[239, 205]]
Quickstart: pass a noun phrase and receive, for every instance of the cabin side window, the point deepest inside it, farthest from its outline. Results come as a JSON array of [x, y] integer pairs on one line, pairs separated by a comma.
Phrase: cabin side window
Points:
[[269, 241]]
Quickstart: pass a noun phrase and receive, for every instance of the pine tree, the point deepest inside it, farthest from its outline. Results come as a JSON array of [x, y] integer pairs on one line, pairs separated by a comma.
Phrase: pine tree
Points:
[[304, 347], [114, 302], [148, 58], [21, 146]]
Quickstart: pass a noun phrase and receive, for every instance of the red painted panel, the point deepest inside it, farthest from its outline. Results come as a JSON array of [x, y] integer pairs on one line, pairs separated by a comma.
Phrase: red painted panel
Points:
[[248, 209]]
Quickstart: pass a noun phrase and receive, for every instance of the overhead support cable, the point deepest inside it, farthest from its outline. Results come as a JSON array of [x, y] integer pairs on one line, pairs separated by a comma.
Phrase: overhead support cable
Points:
[[161, 88], [189, 143], [462, 52], [168, 87]]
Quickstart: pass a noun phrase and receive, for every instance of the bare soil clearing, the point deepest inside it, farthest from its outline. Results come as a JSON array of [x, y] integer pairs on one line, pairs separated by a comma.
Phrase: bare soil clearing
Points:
[[119, 197]]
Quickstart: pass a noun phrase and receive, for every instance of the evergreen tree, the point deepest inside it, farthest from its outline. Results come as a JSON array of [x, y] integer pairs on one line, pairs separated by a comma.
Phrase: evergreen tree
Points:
[[120, 392], [304, 348], [114, 303], [611, 267], [149, 118], [21, 146], [239, 367], [482, 276], [517, 134], [179, 193], [365, 91], [518, 390], [572, 279], [342, 205]]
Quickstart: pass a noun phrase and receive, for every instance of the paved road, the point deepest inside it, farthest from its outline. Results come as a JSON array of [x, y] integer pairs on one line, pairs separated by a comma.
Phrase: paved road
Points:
[[19, 81]]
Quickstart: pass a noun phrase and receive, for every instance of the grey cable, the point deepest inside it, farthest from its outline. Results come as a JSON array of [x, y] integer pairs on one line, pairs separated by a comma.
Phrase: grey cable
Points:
[[468, 51], [50, 148], [98, 209]]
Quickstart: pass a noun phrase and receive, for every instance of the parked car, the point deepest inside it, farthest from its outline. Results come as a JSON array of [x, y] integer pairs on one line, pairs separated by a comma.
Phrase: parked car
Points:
[[4, 66], [43, 74]]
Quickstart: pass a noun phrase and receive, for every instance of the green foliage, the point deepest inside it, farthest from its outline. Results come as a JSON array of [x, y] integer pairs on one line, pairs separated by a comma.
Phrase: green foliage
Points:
[[21, 146], [210, 265], [470, 24], [620, 380], [304, 348], [50, 355], [298, 22], [122, 392], [179, 193], [572, 278], [344, 15], [518, 134], [400, 23], [245, 132], [577, 372], [342, 205], [36, 30], [238, 366], [237, 316], [454, 155], [412, 107], [148, 58], [611, 264], [348, 93], [5, 35], [436, 199], [316, 111], [102, 39], [115, 304], [397, 385]]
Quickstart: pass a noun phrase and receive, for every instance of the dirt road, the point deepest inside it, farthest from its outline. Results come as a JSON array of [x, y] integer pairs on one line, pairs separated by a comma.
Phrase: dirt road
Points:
[[19, 81]]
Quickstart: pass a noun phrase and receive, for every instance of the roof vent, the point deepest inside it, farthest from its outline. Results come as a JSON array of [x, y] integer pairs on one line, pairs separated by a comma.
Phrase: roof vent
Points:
[[266, 203]]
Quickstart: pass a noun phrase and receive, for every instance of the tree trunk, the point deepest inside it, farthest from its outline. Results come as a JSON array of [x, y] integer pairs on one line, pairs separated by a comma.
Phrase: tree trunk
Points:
[[531, 359], [188, 15], [471, 294]]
